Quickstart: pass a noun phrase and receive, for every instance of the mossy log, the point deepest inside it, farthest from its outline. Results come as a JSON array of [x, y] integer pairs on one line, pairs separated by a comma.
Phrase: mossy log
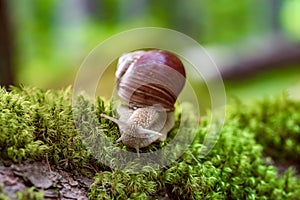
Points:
[[246, 163]]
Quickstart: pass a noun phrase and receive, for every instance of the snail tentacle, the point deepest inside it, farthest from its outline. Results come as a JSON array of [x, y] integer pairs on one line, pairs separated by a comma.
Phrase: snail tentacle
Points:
[[141, 132]]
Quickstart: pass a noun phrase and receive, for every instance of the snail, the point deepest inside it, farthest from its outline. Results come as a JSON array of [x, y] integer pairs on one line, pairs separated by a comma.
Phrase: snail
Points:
[[149, 83]]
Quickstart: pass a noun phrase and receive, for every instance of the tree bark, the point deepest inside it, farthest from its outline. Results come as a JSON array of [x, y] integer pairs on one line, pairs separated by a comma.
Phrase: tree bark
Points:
[[6, 66]]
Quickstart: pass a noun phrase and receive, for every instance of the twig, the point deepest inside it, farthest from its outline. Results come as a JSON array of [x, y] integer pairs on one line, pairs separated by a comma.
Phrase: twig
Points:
[[47, 161]]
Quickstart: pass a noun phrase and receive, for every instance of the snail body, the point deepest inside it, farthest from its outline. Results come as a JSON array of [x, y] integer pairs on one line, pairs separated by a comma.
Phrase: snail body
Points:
[[143, 126], [149, 83]]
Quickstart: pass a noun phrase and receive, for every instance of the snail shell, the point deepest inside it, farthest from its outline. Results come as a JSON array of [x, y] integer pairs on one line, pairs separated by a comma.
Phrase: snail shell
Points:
[[149, 83], [146, 78]]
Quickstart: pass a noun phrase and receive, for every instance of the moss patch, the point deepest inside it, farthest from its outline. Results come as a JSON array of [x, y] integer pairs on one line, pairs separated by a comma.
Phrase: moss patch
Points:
[[275, 123], [35, 123]]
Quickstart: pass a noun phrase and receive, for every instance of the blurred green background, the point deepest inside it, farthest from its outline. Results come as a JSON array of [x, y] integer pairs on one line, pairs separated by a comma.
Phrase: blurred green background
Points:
[[255, 43]]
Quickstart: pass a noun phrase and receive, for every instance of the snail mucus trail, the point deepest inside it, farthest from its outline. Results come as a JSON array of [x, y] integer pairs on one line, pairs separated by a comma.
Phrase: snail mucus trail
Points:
[[149, 83]]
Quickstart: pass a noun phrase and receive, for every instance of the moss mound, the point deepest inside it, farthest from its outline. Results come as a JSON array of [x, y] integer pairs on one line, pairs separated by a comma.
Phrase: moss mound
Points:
[[35, 123]]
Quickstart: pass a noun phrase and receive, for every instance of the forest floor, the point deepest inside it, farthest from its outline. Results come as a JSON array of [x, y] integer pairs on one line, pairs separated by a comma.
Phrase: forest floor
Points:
[[32, 177]]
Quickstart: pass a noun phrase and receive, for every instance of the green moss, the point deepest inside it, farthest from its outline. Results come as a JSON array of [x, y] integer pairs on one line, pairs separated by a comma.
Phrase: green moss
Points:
[[2, 195], [30, 194], [275, 121], [17, 140], [35, 122], [119, 184], [54, 125], [235, 168]]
